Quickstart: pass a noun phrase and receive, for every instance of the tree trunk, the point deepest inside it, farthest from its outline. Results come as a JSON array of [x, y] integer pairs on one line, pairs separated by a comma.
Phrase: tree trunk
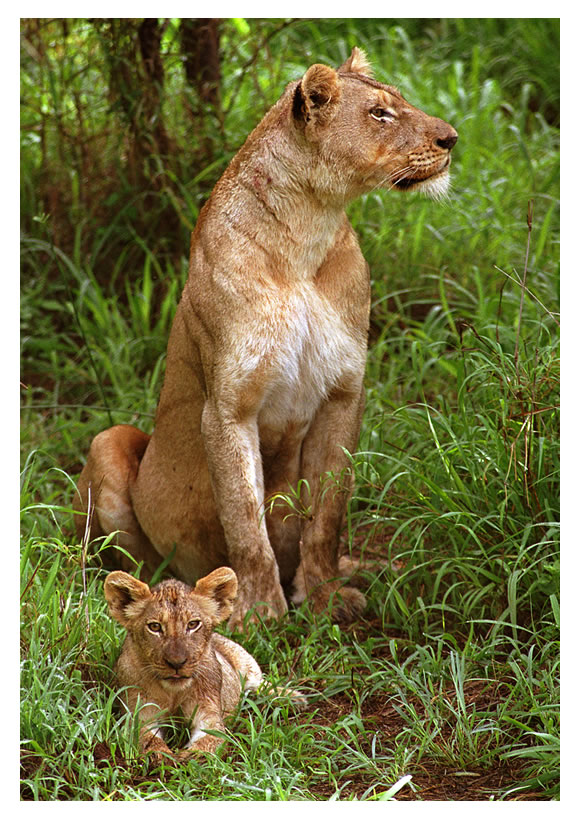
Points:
[[200, 42], [150, 33]]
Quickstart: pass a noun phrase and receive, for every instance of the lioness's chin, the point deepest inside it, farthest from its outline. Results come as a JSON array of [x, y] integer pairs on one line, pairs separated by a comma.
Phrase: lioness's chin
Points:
[[436, 186]]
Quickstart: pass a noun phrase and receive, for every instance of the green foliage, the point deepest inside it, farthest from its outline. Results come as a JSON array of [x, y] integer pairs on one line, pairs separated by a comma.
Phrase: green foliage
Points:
[[456, 667]]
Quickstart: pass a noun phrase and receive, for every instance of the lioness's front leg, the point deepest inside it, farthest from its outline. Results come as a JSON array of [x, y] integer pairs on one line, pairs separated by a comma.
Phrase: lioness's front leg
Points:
[[327, 470], [233, 454]]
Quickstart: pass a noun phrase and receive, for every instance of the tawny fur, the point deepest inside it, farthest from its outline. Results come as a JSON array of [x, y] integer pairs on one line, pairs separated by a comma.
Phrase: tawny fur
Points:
[[266, 358], [173, 664]]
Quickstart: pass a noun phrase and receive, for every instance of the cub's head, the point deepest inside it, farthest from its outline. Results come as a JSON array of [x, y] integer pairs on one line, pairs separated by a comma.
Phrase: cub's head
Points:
[[170, 625], [367, 135]]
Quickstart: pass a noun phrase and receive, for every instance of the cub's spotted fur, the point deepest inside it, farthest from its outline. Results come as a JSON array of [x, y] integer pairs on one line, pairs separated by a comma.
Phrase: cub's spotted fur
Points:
[[172, 663]]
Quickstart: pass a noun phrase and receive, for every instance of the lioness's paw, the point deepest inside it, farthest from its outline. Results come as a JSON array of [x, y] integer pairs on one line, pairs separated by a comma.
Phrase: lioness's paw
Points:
[[346, 603], [254, 611]]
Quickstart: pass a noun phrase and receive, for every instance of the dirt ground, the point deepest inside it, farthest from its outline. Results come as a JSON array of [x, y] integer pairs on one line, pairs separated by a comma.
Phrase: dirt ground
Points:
[[430, 780]]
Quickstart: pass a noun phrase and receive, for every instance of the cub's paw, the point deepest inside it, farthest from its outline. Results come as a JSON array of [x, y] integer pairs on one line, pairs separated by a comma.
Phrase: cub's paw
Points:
[[156, 759], [185, 755], [157, 752], [298, 700]]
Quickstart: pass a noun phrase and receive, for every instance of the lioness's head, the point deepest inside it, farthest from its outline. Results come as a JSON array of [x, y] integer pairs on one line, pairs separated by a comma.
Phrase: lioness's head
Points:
[[170, 625], [367, 133]]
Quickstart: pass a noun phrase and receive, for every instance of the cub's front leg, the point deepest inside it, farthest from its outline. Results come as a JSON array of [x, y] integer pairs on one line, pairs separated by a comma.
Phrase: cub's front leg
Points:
[[206, 717], [199, 743], [151, 740], [233, 453]]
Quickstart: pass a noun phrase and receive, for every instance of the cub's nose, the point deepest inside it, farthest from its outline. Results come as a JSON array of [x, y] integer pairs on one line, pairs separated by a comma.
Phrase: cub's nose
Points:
[[175, 662]]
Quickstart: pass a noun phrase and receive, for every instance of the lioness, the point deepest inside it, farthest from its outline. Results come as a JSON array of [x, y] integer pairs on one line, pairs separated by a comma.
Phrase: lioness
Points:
[[266, 358], [172, 663]]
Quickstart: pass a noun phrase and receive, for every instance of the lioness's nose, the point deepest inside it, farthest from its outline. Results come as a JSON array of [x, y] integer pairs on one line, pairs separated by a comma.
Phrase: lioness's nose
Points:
[[446, 140]]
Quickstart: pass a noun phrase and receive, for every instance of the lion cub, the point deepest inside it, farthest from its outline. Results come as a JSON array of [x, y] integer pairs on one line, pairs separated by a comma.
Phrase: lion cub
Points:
[[172, 662]]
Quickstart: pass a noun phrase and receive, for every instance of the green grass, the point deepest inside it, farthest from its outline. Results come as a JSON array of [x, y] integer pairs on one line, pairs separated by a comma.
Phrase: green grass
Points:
[[452, 677]]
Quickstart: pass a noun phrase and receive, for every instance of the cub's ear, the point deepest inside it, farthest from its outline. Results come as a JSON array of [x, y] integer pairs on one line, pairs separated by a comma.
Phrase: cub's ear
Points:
[[126, 596], [316, 95], [357, 63], [221, 588]]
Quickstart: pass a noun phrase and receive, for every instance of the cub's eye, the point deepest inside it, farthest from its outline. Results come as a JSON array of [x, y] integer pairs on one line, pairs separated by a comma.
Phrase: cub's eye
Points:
[[383, 114], [154, 626], [194, 625]]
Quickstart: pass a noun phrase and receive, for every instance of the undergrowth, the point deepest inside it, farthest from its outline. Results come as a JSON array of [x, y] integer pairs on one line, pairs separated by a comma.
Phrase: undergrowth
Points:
[[448, 687]]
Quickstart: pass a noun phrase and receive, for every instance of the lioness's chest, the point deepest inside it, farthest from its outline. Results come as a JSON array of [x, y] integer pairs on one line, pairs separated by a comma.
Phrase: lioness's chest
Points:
[[311, 351]]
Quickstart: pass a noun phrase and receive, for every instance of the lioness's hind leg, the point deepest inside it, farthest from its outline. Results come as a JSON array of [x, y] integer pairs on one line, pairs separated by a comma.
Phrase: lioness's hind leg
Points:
[[104, 486]]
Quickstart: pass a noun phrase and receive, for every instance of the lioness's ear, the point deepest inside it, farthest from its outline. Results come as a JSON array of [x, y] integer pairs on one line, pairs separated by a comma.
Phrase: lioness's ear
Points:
[[316, 95], [126, 596], [357, 63], [221, 587]]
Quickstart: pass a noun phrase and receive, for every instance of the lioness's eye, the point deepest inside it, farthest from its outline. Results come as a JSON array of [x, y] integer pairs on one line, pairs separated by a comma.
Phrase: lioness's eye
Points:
[[193, 626], [382, 114], [154, 626]]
